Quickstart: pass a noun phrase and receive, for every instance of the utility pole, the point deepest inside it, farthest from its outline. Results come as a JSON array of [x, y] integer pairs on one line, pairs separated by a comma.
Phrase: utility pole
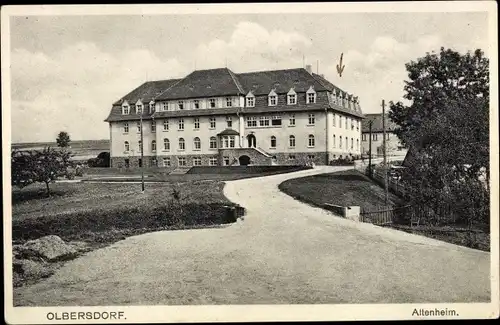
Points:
[[385, 153], [370, 150], [142, 150]]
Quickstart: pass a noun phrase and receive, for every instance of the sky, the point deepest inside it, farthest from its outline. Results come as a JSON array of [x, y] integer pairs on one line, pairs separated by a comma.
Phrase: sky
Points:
[[66, 71]]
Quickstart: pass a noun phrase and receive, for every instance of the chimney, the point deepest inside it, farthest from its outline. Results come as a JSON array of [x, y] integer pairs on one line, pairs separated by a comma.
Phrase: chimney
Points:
[[322, 75], [309, 68]]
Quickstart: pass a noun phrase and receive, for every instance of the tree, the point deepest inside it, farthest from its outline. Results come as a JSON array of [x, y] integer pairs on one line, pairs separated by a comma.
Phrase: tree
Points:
[[63, 139], [446, 127], [43, 166]]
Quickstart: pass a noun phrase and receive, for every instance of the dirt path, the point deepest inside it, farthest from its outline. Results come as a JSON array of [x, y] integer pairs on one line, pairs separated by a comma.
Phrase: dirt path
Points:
[[284, 252]]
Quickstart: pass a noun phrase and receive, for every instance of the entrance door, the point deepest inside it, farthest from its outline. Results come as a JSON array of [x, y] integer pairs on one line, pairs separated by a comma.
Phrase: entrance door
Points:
[[244, 160], [252, 141]]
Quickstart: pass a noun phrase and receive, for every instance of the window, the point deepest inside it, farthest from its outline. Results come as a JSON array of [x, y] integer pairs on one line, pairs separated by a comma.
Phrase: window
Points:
[[180, 104], [229, 122], [153, 126], [138, 127], [363, 137], [228, 141], [374, 137], [127, 163], [125, 109], [140, 162], [352, 143], [346, 142], [140, 146], [125, 127], [357, 125], [165, 125], [352, 124], [346, 122], [213, 143], [387, 136], [250, 101], [264, 121], [229, 102], [211, 101], [292, 99], [182, 161], [166, 161], [334, 141], [357, 144], [311, 141], [212, 122], [182, 144], [311, 119], [334, 119], [292, 141], [165, 106], [154, 162], [138, 109], [292, 120], [226, 161], [273, 141], [276, 120], [340, 142], [196, 103], [151, 107], [153, 145], [212, 161], [196, 123], [127, 146], [291, 157], [273, 100], [197, 161], [251, 121], [232, 142], [311, 98], [310, 157], [197, 144], [166, 145], [181, 124]]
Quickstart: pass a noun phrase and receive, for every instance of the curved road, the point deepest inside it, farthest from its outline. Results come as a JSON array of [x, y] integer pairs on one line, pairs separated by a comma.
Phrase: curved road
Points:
[[283, 252]]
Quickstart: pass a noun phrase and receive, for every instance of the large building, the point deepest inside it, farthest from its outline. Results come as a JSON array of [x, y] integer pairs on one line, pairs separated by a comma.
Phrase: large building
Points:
[[217, 117], [394, 146]]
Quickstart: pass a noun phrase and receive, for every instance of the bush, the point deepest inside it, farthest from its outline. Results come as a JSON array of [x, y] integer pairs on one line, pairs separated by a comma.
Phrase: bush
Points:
[[70, 174], [79, 171], [342, 162]]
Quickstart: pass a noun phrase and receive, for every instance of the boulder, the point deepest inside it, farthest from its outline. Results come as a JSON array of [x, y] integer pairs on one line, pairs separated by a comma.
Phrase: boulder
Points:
[[50, 248], [31, 269]]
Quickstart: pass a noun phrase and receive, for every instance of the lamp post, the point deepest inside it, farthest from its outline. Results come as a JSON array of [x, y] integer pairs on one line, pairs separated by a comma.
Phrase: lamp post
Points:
[[142, 151]]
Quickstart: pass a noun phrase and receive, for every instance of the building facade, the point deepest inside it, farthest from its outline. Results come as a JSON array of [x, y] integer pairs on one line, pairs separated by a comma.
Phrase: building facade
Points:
[[216, 117], [394, 145]]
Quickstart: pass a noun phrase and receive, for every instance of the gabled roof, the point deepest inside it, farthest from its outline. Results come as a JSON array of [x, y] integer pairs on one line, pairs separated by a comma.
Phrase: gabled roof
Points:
[[147, 91], [377, 125], [261, 82], [204, 83], [229, 132]]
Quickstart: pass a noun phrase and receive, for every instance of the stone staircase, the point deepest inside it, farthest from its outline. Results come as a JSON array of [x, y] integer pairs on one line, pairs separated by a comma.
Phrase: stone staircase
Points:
[[180, 171]]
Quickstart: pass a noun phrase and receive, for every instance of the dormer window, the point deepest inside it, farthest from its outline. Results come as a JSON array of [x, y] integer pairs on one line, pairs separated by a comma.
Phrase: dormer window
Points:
[[151, 107], [334, 97], [125, 109], [196, 104], [272, 98], [229, 102], [250, 100], [180, 104], [165, 106], [291, 97], [310, 96], [340, 102], [212, 102], [138, 107]]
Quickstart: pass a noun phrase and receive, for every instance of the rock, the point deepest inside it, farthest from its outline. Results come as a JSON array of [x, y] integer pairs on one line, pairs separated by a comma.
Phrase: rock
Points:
[[31, 269], [51, 248]]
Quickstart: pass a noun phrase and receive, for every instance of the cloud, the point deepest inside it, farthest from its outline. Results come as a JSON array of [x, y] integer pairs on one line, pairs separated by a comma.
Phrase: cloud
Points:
[[73, 89], [252, 47], [379, 72]]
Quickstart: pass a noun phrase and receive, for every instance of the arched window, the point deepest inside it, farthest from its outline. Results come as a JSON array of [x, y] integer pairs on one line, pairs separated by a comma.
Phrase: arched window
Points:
[[357, 144], [166, 144], [127, 146], [153, 145], [197, 143], [292, 141], [334, 140], [311, 140], [182, 144], [273, 141], [213, 143]]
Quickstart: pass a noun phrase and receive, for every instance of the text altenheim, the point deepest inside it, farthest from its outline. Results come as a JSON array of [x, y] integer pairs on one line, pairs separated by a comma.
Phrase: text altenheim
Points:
[[434, 312]]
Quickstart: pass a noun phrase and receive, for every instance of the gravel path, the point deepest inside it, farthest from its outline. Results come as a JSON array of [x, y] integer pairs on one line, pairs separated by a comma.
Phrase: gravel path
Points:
[[283, 252]]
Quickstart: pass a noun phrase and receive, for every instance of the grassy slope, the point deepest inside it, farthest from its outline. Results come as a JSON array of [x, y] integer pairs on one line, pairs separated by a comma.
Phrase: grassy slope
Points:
[[343, 188]]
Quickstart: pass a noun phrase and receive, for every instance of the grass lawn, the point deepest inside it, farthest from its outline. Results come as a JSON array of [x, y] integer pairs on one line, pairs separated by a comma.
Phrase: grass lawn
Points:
[[343, 188]]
